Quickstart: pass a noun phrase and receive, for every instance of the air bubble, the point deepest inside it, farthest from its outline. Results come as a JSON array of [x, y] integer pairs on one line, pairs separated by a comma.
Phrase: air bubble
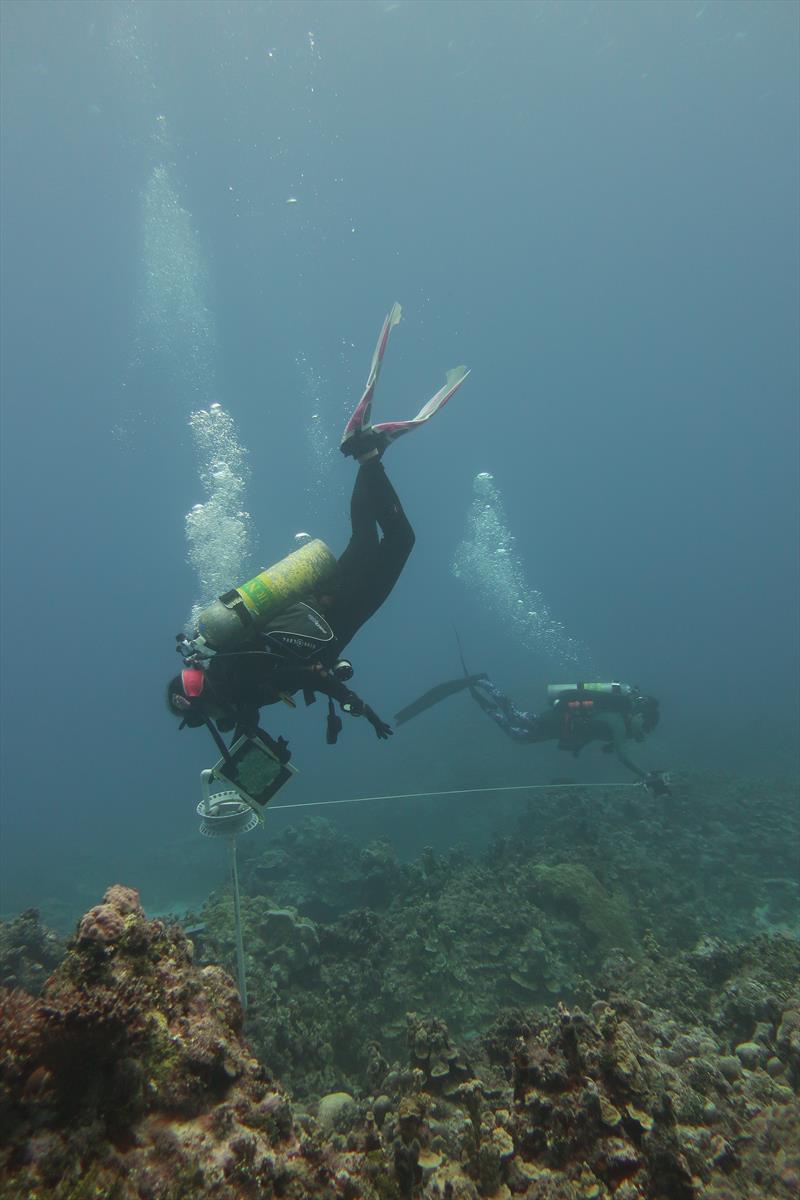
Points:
[[488, 560], [219, 532]]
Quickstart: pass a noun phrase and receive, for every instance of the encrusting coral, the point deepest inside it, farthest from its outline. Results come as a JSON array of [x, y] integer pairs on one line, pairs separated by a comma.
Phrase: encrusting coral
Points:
[[128, 1078], [28, 951], [583, 883], [567, 1016]]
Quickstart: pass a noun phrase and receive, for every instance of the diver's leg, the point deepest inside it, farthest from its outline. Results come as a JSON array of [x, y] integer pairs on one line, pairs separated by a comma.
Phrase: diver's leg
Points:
[[520, 726], [498, 698], [363, 525], [364, 540], [370, 566]]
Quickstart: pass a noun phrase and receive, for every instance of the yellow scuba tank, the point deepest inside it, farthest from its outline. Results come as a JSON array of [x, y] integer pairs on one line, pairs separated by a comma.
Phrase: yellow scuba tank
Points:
[[235, 617]]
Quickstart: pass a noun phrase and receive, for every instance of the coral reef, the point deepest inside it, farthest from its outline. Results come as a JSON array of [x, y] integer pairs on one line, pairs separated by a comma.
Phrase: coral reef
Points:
[[604, 1004], [584, 880], [129, 1078], [28, 952], [447, 934]]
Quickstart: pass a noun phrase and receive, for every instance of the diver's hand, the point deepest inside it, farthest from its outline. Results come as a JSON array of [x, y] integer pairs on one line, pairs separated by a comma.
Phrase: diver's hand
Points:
[[359, 708], [382, 730], [283, 751], [656, 783]]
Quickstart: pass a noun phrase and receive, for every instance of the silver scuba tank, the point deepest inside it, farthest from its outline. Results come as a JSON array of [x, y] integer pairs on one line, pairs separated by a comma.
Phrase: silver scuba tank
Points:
[[559, 691]]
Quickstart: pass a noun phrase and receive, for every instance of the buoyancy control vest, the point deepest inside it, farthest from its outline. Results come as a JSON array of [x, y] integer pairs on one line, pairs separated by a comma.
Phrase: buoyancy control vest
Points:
[[580, 703], [299, 634]]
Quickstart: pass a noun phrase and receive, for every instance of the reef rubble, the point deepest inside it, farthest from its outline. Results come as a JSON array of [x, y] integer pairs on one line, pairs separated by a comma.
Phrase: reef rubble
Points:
[[129, 1077]]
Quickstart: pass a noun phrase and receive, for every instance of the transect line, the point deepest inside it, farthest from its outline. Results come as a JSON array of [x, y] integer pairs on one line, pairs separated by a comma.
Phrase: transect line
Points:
[[519, 787]]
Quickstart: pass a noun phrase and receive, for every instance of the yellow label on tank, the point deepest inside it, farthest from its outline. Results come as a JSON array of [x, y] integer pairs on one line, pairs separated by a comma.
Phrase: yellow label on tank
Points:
[[257, 593], [288, 581]]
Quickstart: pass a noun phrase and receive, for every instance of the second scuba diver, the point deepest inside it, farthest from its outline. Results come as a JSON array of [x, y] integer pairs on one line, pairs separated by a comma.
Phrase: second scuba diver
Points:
[[579, 713], [249, 651]]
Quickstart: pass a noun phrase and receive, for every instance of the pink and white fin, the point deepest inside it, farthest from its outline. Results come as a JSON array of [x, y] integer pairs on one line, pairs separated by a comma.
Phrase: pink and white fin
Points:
[[395, 429], [361, 414]]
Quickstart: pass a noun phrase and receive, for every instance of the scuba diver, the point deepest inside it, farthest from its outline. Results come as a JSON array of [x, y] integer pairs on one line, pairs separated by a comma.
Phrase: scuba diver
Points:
[[579, 713], [283, 632]]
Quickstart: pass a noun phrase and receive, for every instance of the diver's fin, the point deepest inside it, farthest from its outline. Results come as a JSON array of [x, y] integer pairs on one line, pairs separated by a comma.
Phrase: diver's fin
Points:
[[395, 429], [440, 692], [362, 410], [460, 652], [470, 681]]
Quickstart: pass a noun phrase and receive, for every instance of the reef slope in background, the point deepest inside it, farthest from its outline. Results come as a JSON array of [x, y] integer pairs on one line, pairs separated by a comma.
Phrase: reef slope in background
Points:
[[342, 940], [604, 1004], [128, 1078]]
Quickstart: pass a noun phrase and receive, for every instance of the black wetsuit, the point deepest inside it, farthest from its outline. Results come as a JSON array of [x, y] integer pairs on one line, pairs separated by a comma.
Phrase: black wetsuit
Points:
[[300, 645], [570, 732], [370, 565], [554, 725]]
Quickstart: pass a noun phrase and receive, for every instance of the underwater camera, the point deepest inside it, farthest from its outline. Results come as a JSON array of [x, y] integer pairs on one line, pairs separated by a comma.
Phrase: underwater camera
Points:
[[254, 771]]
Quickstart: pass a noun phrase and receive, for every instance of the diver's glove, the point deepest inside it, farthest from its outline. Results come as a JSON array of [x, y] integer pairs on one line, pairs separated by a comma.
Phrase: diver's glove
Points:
[[382, 730], [656, 783], [357, 708]]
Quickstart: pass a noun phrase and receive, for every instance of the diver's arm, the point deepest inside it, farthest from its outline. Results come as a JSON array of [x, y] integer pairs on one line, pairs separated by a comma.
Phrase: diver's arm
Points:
[[618, 727], [329, 685], [629, 763]]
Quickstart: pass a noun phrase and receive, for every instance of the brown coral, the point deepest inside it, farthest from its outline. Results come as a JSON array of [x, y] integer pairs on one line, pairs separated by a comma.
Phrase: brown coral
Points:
[[132, 1051], [124, 899], [102, 924]]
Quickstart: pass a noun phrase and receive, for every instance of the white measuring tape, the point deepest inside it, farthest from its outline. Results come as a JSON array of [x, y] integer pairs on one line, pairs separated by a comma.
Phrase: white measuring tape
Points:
[[519, 787]]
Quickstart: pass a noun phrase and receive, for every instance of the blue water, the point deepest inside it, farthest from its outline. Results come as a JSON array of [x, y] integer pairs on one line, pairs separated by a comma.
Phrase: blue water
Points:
[[593, 205]]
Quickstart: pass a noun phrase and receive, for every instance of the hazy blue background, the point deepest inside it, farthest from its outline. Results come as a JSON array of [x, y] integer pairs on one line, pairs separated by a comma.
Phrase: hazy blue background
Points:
[[595, 206]]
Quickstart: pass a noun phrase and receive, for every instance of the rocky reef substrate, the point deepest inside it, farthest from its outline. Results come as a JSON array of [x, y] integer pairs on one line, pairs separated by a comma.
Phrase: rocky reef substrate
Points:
[[555, 1019], [343, 940]]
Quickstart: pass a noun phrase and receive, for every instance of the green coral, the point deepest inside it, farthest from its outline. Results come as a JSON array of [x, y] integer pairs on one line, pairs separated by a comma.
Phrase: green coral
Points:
[[573, 889]]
